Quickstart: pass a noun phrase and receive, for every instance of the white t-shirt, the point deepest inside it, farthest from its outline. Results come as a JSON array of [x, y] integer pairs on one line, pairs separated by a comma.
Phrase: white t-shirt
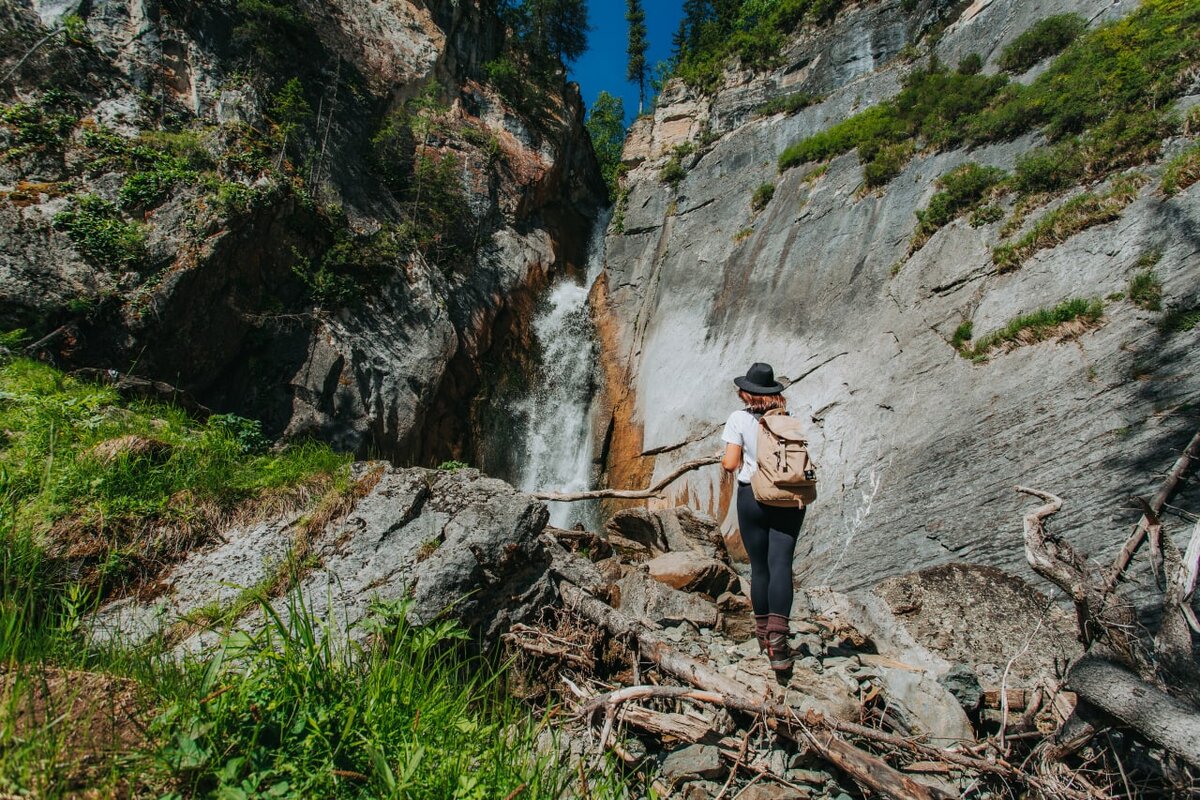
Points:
[[742, 429]]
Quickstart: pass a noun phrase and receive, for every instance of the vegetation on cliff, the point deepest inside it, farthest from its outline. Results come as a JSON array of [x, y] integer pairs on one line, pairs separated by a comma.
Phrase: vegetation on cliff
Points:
[[1094, 127], [753, 31]]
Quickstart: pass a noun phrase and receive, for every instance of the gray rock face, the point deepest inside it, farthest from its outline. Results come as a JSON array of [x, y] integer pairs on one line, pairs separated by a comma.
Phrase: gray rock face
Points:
[[453, 544], [919, 448], [693, 761]]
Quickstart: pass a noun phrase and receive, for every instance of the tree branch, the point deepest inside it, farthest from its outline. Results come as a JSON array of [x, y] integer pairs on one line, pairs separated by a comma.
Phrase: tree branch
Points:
[[630, 494]]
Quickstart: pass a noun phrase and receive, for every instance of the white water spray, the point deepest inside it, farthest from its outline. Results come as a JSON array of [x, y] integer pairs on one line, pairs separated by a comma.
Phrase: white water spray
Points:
[[557, 412]]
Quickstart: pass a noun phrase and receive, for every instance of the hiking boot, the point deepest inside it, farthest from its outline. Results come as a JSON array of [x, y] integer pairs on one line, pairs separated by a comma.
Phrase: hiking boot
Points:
[[779, 652], [760, 633]]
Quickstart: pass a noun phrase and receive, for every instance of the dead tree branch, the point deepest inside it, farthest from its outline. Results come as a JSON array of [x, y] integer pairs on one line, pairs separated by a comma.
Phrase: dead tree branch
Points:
[[630, 494], [1191, 452]]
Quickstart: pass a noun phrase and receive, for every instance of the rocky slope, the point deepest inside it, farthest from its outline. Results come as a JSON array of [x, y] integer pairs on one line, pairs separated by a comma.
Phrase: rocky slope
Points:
[[252, 243], [919, 446]]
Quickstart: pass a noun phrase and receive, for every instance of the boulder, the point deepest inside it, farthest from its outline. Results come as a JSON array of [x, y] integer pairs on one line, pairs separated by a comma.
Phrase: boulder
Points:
[[642, 597], [453, 544], [693, 761], [693, 572], [677, 529]]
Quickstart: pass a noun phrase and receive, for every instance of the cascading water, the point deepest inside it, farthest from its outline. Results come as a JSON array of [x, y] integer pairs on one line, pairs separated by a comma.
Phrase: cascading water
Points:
[[556, 413]]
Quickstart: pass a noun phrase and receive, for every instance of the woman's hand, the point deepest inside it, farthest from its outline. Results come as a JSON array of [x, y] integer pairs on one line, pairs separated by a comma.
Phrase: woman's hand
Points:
[[732, 460]]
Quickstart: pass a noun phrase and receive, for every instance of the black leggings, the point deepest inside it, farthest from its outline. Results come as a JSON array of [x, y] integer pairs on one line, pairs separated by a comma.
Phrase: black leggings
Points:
[[769, 534]]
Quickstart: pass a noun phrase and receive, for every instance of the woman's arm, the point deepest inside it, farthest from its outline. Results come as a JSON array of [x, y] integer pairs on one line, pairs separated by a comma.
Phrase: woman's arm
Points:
[[732, 460]]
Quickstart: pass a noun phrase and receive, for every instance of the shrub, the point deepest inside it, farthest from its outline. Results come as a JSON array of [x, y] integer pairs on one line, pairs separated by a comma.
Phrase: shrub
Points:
[[37, 127], [151, 187], [762, 196], [1038, 326], [101, 235], [1048, 37], [788, 104], [971, 64], [673, 172], [1181, 171], [1180, 320], [1048, 169], [961, 190], [985, 215]]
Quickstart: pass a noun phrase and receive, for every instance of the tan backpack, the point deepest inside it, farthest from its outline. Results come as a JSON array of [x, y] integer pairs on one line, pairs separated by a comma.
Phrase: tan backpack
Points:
[[786, 476]]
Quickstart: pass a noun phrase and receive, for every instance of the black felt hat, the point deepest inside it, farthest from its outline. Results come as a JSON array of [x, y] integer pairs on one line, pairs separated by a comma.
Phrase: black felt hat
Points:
[[759, 379]]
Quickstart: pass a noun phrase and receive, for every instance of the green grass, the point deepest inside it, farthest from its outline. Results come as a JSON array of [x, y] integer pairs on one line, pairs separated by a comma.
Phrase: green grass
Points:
[[762, 196], [1145, 290], [961, 190], [1077, 214], [1102, 103], [673, 172], [1046, 38], [962, 334], [95, 479], [1043, 324], [1181, 171]]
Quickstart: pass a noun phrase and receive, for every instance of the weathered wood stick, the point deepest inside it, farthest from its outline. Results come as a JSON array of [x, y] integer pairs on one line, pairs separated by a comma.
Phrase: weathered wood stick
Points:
[[630, 494], [1151, 712], [1191, 452]]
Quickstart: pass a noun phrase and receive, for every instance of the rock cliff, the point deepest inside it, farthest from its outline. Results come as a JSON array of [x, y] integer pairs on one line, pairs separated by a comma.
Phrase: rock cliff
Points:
[[240, 199], [919, 447]]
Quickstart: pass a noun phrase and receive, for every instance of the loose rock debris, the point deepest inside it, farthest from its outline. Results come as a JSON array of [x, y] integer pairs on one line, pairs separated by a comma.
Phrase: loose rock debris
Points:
[[670, 681]]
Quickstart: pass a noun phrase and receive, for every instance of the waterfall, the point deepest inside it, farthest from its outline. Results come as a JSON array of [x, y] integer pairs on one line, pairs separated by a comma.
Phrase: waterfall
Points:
[[556, 412]]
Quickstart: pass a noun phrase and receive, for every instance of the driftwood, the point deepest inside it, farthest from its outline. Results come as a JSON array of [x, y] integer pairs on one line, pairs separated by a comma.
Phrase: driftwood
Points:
[[1100, 614], [630, 494]]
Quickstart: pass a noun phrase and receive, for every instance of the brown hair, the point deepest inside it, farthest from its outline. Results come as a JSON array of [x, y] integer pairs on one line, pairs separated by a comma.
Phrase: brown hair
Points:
[[761, 403]]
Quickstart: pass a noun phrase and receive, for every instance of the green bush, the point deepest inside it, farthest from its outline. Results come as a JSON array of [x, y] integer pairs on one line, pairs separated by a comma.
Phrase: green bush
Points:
[[762, 196], [1180, 320], [985, 215], [40, 126], [101, 235], [1047, 38], [1038, 326], [150, 188], [961, 190]]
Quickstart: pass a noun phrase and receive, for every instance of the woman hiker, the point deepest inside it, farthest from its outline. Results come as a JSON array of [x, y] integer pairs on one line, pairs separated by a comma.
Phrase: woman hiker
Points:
[[768, 532]]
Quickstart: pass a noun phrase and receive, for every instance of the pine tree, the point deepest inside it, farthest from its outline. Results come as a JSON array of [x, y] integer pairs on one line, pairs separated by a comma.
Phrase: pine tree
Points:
[[637, 68], [559, 26], [606, 128]]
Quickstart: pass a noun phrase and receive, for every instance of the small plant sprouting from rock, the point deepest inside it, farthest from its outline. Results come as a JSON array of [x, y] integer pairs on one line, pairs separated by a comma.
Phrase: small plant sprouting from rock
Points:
[[788, 104], [673, 171], [428, 548], [743, 235], [1067, 319], [1145, 290], [762, 196], [453, 465], [962, 335]]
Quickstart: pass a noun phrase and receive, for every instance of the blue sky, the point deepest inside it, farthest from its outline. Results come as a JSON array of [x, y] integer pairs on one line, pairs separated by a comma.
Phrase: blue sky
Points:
[[602, 67]]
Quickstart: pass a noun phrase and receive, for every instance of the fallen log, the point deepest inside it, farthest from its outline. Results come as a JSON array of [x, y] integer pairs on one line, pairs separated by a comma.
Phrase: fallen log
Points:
[[630, 494], [1153, 713]]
